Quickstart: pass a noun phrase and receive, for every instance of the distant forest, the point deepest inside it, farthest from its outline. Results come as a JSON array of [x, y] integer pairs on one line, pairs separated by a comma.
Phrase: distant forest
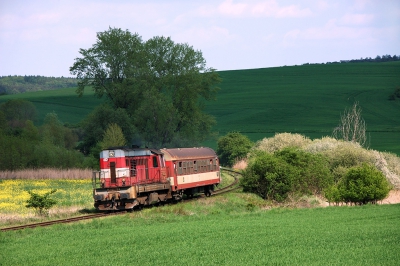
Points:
[[378, 58], [20, 84]]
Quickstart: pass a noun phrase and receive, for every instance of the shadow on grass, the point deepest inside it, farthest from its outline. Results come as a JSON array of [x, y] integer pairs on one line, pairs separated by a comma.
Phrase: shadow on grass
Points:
[[88, 211]]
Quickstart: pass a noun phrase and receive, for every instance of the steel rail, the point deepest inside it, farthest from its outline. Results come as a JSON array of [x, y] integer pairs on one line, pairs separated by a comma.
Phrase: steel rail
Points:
[[61, 221], [230, 187]]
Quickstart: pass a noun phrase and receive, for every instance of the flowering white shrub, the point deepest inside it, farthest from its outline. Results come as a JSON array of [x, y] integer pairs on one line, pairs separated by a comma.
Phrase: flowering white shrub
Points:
[[282, 140]]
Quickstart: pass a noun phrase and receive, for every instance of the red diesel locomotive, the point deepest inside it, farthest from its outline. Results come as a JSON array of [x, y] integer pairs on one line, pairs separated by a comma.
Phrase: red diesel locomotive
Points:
[[130, 177]]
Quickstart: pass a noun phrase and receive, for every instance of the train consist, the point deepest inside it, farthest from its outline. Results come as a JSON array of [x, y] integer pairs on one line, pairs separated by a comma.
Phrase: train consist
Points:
[[133, 177]]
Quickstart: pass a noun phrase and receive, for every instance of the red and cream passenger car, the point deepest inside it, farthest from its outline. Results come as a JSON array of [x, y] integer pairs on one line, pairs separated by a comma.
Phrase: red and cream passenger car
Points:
[[130, 177]]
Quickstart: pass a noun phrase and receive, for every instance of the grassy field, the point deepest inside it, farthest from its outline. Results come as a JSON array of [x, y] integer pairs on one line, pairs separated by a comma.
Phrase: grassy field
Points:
[[231, 229], [216, 231], [307, 99]]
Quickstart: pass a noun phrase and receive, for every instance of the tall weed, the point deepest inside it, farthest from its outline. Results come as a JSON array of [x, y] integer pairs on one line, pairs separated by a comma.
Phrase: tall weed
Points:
[[47, 173]]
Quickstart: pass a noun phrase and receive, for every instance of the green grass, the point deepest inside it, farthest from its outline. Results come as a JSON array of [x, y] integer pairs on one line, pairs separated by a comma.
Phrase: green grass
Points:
[[231, 229], [306, 99], [367, 235]]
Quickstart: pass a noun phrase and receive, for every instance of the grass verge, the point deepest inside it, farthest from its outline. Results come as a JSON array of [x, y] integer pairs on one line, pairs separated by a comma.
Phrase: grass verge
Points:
[[169, 235]]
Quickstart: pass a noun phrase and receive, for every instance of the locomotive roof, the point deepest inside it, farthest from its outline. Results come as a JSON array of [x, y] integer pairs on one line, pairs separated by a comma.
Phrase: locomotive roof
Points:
[[125, 151], [188, 153]]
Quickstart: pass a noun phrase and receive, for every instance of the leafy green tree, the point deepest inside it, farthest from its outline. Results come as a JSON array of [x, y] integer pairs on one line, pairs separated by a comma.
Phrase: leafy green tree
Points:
[[156, 117], [125, 69], [114, 57], [17, 111], [41, 203], [30, 132], [47, 155], [232, 147], [363, 184], [96, 123], [113, 137], [52, 130], [15, 152], [3, 123]]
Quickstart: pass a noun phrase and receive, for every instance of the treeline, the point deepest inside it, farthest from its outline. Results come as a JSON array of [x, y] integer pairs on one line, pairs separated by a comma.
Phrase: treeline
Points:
[[20, 84], [378, 58]]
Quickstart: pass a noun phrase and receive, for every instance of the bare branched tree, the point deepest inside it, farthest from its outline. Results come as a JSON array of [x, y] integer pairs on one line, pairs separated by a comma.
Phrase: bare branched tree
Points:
[[352, 127]]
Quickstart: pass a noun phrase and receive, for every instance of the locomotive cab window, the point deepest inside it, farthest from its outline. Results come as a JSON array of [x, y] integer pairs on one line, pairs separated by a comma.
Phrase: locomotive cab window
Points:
[[155, 161]]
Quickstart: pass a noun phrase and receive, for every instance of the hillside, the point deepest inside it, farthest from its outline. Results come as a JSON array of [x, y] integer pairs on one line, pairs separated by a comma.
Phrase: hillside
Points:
[[307, 99]]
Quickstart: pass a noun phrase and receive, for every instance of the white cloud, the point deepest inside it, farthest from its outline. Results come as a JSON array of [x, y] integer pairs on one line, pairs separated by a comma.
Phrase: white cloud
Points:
[[272, 9], [246, 9], [360, 4], [229, 8], [334, 32], [356, 19]]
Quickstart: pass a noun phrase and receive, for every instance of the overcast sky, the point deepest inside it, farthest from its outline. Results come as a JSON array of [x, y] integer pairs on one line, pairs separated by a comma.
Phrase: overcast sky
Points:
[[44, 37]]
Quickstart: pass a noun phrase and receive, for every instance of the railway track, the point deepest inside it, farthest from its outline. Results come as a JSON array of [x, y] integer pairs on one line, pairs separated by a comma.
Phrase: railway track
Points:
[[226, 189], [230, 187], [61, 221]]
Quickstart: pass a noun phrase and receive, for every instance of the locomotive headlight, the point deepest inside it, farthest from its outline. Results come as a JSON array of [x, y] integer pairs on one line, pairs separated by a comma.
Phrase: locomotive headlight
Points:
[[123, 181]]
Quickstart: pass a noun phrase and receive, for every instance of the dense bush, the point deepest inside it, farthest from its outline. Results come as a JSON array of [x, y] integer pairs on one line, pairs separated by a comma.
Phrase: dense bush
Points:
[[268, 176], [363, 184], [312, 170], [273, 176], [232, 147], [348, 154]]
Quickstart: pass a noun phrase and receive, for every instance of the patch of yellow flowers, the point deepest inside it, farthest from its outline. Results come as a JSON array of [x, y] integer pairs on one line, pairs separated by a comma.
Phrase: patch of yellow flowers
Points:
[[70, 192]]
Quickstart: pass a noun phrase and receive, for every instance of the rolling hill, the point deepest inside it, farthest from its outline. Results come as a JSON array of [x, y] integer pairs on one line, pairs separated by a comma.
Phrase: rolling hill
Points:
[[307, 99]]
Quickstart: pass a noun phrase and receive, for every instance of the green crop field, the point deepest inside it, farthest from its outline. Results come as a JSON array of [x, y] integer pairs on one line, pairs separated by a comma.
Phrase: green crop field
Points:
[[307, 99], [69, 107], [367, 235]]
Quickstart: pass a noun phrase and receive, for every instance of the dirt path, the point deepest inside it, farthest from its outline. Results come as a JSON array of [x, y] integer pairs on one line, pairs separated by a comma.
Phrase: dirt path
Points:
[[393, 198]]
